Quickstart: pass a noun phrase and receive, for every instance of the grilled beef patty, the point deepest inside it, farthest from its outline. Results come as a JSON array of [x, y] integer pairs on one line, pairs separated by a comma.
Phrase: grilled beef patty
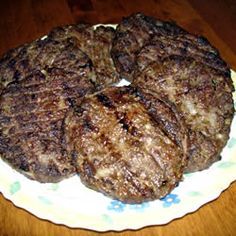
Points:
[[132, 34], [120, 147], [142, 39], [203, 97], [39, 83], [96, 43]]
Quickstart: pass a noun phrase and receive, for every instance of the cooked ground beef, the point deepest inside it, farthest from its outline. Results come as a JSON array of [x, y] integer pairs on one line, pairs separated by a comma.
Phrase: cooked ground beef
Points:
[[120, 146], [203, 97]]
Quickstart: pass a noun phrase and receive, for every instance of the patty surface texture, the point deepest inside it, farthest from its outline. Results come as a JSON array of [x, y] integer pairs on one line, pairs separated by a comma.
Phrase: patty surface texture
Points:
[[39, 83], [120, 146], [142, 39], [203, 98], [96, 43]]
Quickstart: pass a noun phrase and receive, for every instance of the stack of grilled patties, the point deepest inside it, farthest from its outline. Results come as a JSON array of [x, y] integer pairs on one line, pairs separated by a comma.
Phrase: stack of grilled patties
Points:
[[61, 112]]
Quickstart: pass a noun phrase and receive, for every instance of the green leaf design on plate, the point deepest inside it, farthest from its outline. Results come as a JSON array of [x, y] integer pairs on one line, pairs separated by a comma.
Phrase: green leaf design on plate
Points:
[[107, 218], [15, 187], [194, 194], [232, 142], [54, 187], [226, 164], [44, 200]]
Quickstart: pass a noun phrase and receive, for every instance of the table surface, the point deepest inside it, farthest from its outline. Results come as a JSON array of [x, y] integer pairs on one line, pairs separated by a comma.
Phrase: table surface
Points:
[[25, 20]]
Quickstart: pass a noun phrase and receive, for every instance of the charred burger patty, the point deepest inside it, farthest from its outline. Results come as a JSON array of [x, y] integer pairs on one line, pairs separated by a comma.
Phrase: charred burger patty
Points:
[[121, 149]]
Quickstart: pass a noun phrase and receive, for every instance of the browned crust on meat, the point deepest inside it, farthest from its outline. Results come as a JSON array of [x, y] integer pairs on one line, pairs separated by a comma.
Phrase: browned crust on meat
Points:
[[203, 97], [132, 34], [42, 54], [119, 147], [50, 76], [96, 43], [54, 50], [141, 40], [185, 45]]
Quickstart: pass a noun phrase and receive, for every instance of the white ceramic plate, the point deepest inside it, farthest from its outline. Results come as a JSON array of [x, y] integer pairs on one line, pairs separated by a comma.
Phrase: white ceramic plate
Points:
[[72, 204]]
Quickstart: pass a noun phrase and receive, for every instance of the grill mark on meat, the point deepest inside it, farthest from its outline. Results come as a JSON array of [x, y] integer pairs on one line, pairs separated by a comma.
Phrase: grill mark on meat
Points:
[[96, 43], [188, 84], [88, 169], [132, 34], [178, 45], [38, 83], [5, 120], [121, 117], [43, 54], [132, 177], [34, 127], [106, 101], [53, 97], [165, 114], [141, 40], [36, 113], [88, 125], [126, 123], [40, 90], [120, 162]]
